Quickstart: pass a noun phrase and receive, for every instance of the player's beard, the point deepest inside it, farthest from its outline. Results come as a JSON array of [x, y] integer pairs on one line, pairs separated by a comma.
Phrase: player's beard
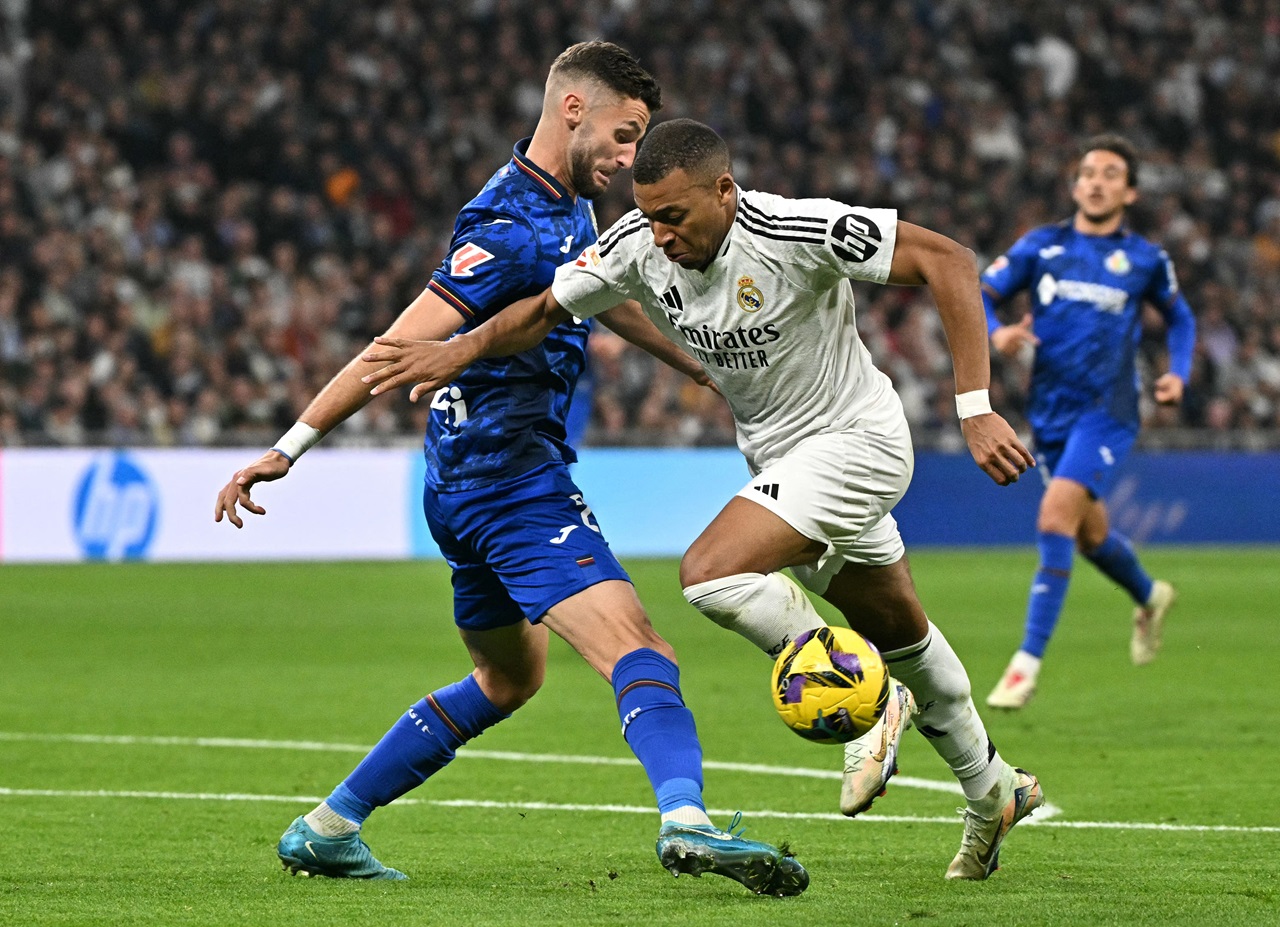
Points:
[[582, 173]]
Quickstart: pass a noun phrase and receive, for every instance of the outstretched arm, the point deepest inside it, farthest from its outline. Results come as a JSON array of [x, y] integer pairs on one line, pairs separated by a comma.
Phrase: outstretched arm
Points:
[[431, 363], [629, 321], [948, 269], [428, 316]]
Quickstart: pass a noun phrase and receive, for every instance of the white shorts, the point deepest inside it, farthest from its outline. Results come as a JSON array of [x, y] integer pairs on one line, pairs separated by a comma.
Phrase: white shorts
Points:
[[838, 489]]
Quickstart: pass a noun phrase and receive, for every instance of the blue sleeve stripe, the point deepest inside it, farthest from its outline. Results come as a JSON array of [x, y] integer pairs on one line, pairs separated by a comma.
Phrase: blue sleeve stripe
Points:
[[451, 298]]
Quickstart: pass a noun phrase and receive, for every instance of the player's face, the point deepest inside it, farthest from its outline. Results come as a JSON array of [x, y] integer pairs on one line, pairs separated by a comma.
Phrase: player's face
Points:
[[605, 143], [1102, 189], [689, 216]]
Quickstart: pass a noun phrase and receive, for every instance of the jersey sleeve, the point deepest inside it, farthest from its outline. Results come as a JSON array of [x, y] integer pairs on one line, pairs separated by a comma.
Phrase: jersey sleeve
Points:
[[598, 279], [1011, 271], [490, 265], [859, 242], [1164, 294]]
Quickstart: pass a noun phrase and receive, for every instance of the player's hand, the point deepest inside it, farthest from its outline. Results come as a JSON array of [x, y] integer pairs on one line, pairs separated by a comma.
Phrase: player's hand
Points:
[[270, 466], [1009, 339], [996, 448], [1169, 389], [429, 364]]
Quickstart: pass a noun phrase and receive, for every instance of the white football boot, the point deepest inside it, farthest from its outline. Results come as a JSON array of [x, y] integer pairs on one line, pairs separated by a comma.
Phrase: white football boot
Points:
[[988, 820], [872, 759], [1148, 623], [1018, 683]]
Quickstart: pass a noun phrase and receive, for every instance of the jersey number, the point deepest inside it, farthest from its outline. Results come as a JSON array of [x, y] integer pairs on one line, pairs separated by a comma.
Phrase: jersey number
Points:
[[449, 400], [586, 511]]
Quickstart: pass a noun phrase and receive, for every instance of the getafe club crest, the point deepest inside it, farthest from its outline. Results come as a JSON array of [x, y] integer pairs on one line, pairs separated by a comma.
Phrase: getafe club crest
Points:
[[750, 299], [1118, 263]]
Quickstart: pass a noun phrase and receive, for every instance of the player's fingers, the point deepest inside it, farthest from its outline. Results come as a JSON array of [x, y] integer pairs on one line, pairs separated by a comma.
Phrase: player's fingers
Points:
[[393, 342], [374, 357], [382, 373], [394, 382], [418, 392]]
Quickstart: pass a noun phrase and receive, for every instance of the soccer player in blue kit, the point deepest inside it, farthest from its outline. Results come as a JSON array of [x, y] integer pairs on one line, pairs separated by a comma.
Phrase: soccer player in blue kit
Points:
[[1089, 279], [526, 553]]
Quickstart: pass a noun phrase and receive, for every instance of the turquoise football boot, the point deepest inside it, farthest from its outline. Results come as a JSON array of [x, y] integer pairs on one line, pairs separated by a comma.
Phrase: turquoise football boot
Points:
[[695, 849], [304, 852]]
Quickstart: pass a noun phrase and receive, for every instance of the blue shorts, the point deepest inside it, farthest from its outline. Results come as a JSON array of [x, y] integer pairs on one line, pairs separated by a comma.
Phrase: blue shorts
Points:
[[518, 547], [1090, 454]]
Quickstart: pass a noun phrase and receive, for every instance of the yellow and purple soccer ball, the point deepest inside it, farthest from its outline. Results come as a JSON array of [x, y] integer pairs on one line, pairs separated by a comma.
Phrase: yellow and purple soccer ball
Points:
[[830, 685]]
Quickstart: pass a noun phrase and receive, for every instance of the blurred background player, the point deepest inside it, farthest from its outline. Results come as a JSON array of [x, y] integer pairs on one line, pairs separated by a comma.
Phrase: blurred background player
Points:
[[525, 551], [756, 286], [1089, 278]]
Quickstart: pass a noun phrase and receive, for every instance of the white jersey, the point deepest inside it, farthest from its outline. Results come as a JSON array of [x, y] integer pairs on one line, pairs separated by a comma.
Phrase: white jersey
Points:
[[771, 319]]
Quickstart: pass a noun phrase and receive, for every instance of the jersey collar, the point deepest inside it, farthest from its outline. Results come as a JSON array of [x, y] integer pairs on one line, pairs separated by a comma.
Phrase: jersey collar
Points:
[[541, 178]]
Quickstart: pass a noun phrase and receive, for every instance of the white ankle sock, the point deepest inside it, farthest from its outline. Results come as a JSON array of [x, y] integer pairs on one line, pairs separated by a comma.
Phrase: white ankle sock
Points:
[[328, 823], [770, 611], [687, 814], [946, 715]]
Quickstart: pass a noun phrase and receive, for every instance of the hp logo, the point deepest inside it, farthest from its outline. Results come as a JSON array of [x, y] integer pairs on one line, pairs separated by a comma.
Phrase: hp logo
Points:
[[116, 509]]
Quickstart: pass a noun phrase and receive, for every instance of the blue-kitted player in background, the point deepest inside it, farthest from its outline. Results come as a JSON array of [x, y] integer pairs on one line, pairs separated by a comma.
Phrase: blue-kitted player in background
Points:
[[527, 553], [1088, 278]]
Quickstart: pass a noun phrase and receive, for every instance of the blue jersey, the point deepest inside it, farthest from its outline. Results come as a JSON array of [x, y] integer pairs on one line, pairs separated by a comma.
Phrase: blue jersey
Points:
[[504, 416], [1087, 293]]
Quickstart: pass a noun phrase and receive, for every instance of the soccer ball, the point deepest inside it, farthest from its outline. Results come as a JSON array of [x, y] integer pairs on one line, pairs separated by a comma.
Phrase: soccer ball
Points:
[[830, 685]]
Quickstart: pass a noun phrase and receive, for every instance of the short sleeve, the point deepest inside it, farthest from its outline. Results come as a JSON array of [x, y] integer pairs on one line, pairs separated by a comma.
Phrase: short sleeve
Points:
[[859, 242], [598, 279], [490, 265]]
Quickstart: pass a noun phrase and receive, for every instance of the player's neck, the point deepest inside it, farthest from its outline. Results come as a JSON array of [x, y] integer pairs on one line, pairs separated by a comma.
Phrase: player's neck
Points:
[[551, 156], [730, 214], [1109, 226]]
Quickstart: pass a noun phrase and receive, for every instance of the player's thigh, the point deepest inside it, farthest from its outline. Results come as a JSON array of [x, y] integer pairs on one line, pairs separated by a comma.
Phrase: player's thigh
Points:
[[830, 499], [603, 623], [510, 661], [537, 538], [746, 537], [879, 602], [1063, 507]]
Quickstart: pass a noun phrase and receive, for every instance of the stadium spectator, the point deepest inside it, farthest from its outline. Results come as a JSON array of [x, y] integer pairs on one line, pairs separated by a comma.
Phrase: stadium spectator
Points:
[[156, 156]]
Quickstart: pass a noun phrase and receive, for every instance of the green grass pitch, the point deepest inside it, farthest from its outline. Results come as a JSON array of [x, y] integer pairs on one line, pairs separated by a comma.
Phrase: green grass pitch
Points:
[[112, 676]]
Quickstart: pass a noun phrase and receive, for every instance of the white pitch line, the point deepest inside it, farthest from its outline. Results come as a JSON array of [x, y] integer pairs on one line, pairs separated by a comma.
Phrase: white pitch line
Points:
[[465, 752], [626, 809]]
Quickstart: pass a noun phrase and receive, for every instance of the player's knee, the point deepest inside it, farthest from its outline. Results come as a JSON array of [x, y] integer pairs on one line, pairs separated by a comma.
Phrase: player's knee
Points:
[[509, 691], [723, 598], [698, 567]]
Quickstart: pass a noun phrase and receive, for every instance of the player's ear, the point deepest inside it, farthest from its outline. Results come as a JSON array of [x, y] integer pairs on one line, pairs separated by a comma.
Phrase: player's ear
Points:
[[1130, 196], [573, 108], [724, 187]]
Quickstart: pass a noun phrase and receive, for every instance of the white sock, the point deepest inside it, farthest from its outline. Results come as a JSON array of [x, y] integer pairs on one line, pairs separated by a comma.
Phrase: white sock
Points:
[[947, 716], [328, 823], [687, 814], [1025, 663], [770, 611]]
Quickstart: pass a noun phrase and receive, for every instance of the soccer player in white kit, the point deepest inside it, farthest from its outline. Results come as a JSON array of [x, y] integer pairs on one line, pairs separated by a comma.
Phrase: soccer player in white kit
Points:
[[755, 286]]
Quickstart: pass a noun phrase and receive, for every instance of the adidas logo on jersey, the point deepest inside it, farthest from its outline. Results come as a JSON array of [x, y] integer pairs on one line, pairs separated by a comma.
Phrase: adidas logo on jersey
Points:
[[769, 489]]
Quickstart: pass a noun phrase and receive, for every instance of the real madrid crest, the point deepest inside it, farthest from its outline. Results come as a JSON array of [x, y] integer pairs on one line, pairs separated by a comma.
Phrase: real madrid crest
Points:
[[1118, 263], [750, 299]]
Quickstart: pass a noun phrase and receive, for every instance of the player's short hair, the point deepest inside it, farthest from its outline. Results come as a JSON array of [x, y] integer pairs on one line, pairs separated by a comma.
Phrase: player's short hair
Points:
[[681, 144], [1118, 145], [611, 65]]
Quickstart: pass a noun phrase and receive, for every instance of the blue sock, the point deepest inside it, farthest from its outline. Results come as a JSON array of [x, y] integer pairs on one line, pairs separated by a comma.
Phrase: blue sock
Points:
[[659, 728], [422, 742], [1048, 590], [1115, 558]]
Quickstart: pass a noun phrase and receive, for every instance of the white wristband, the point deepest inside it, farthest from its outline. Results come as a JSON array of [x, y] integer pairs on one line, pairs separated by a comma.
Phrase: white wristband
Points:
[[296, 440], [974, 402]]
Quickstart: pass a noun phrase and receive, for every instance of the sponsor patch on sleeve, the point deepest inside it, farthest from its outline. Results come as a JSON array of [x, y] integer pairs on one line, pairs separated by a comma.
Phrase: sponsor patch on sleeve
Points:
[[466, 259]]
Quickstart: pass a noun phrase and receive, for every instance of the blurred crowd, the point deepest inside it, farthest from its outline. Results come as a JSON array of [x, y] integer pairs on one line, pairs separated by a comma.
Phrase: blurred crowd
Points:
[[208, 206]]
